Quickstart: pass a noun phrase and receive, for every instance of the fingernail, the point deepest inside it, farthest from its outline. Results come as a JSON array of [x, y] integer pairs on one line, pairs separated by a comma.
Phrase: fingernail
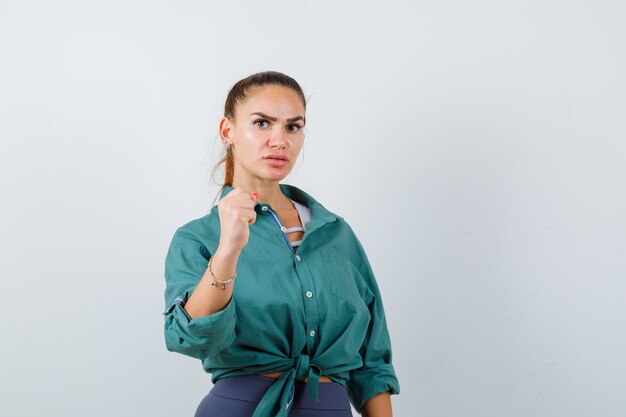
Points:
[[255, 195]]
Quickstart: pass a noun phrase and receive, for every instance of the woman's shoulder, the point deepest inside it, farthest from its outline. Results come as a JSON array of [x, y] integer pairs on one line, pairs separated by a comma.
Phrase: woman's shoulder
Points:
[[199, 230]]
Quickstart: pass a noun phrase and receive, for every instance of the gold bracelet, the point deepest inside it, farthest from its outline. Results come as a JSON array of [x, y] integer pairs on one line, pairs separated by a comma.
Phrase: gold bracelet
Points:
[[214, 279]]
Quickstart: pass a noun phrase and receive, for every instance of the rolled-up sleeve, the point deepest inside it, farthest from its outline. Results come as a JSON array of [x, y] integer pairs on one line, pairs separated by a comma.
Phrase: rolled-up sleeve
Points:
[[186, 261], [377, 374]]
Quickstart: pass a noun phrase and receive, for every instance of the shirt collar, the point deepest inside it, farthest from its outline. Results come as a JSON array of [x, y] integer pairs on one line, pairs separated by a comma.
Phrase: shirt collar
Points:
[[318, 211]]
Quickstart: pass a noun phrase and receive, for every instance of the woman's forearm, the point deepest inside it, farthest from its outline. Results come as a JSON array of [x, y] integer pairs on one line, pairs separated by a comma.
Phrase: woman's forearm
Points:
[[378, 406], [207, 299]]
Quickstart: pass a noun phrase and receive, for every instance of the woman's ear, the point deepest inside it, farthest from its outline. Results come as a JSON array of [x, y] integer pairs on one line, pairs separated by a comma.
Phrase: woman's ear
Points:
[[225, 128]]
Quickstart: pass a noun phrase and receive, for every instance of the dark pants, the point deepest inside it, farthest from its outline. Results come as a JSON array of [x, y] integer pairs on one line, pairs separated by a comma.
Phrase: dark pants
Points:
[[238, 396]]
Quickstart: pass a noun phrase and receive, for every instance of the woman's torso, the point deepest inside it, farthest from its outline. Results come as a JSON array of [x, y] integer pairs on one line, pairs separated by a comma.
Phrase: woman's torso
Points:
[[291, 218]]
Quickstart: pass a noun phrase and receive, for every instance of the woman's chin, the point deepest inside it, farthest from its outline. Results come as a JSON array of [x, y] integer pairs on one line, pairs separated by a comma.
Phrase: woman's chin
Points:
[[276, 174]]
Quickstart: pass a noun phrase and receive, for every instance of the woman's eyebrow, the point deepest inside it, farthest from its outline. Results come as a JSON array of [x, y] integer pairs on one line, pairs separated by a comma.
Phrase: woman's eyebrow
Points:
[[273, 119]]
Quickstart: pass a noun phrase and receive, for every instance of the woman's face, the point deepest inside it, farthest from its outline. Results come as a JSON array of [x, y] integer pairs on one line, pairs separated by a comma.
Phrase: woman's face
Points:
[[270, 121]]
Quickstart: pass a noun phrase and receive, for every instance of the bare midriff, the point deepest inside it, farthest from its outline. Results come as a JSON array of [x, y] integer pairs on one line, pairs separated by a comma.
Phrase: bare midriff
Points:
[[323, 378]]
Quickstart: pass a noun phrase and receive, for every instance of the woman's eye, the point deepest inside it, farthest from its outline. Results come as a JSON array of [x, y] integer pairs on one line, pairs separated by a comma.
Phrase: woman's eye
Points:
[[296, 126], [290, 127]]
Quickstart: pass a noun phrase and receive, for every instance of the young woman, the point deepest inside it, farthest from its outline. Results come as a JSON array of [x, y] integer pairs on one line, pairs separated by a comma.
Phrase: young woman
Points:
[[270, 290]]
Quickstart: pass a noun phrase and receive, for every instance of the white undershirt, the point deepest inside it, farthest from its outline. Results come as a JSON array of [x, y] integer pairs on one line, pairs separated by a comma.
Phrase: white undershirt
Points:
[[305, 215]]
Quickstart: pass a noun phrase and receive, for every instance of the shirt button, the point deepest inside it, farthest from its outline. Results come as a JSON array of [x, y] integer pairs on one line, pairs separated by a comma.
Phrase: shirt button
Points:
[[264, 208], [298, 257], [309, 294], [312, 333]]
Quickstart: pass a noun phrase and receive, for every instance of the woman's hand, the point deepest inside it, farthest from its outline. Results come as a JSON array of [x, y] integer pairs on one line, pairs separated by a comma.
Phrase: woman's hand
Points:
[[236, 212]]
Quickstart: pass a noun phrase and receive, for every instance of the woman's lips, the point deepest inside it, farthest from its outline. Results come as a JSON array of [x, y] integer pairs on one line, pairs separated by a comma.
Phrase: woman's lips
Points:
[[276, 162]]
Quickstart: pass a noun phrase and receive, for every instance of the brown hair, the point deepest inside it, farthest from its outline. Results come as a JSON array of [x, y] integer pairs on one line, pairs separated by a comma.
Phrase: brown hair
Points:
[[237, 95]]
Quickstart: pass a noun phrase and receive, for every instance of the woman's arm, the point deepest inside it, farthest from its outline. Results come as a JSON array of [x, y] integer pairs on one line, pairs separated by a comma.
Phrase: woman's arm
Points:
[[370, 385], [378, 406], [207, 299], [205, 325]]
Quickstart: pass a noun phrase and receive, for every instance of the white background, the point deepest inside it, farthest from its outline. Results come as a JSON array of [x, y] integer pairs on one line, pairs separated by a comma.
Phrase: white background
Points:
[[477, 149]]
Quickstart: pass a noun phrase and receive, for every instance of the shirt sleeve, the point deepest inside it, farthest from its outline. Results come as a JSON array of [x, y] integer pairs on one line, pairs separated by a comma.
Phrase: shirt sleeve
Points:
[[199, 337], [377, 373]]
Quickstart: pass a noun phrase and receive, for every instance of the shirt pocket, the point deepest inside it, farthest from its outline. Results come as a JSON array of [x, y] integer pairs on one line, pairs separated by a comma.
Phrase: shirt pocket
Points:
[[343, 279]]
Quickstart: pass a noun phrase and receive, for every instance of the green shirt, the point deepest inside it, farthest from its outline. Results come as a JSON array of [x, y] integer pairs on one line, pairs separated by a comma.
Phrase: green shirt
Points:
[[312, 310]]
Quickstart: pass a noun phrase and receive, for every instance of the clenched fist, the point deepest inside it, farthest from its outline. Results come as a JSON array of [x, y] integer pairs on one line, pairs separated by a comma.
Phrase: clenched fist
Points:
[[236, 212]]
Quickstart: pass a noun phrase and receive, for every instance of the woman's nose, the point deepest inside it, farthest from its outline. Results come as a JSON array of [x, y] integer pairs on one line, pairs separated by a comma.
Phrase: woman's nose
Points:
[[278, 138]]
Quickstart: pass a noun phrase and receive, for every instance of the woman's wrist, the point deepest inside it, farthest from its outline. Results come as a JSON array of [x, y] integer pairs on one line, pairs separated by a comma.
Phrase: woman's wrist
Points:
[[227, 251]]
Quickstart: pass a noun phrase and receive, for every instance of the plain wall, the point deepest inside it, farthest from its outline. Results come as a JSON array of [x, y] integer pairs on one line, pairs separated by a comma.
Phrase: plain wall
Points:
[[477, 149]]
